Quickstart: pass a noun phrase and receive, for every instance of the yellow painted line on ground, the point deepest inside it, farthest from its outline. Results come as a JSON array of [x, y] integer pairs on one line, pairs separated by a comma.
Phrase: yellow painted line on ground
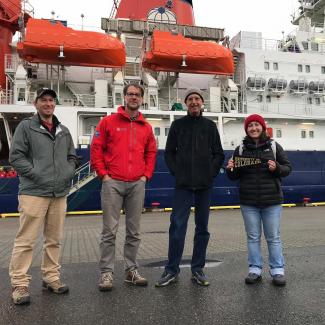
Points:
[[73, 213], [8, 215], [221, 207], [318, 204]]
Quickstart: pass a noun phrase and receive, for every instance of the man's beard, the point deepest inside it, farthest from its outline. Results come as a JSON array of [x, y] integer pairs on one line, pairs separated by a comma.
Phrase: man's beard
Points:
[[133, 108]]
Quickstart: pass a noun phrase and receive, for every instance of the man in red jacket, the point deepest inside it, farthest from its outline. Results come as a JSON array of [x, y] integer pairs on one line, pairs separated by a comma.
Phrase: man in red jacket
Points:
[[123, 154]]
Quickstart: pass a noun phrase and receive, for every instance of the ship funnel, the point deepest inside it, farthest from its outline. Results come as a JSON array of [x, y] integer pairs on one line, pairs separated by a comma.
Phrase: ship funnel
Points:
[[161, 9]]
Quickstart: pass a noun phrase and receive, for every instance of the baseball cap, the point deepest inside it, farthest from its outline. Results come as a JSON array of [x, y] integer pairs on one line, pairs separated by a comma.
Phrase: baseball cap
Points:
[[45, 91]]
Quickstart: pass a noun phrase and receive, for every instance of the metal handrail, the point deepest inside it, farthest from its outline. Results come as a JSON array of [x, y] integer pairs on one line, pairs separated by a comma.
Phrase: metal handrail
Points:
[[82, 173]]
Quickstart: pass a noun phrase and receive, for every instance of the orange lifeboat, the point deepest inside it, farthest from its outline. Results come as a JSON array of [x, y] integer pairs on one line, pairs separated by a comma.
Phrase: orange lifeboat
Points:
[[52, 43], [175, 53]]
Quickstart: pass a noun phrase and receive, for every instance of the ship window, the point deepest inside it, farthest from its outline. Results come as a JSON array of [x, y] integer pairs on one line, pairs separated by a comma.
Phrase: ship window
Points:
[[307, 68], [275, 66], [157, 131], [311, 134], [309, 100], [166, 131], [303, 134], [278, 133], [118, 99], [314, 46], [323, 70], [153, 101], [268, 99], [299, 67], [305, 45], [267, 65], [21, 94], [317, 101], [259, 98]]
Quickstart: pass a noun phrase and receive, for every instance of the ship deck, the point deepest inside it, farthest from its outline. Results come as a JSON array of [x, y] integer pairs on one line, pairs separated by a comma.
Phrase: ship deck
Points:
[[226, 301]]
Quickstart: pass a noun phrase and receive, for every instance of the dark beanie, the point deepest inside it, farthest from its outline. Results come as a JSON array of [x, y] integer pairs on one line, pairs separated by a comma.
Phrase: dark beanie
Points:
[[254, 118]]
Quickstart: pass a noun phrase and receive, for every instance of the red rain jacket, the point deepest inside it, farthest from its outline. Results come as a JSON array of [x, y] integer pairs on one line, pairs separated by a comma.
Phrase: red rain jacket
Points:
[[123, 149]]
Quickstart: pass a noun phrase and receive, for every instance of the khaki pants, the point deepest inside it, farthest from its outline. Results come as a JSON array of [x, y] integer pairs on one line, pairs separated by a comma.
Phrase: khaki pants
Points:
[[34, 212], [115, 195]]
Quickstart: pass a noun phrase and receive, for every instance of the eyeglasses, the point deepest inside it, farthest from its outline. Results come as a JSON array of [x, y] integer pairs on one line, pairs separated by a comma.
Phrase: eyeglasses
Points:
[[138, 95]]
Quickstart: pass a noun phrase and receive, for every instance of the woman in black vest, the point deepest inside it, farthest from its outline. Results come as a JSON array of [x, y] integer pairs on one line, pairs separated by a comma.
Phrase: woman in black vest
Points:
[[259, 163]]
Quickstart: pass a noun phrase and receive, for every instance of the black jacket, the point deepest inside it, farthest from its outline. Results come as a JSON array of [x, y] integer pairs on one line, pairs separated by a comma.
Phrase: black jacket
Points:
[[193, 152], [258, 185]]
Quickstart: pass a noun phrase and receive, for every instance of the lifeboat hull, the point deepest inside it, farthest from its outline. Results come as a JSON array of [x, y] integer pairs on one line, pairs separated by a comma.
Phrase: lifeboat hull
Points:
[[80, 48], [176, 53]]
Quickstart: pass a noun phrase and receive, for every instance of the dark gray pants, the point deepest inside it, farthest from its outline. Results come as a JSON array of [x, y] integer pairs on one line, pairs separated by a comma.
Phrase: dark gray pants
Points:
[[115, 195]]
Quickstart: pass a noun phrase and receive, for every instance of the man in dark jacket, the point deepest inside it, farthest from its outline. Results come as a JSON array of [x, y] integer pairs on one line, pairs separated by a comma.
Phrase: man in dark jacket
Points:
[[43, 154], [194, 156]]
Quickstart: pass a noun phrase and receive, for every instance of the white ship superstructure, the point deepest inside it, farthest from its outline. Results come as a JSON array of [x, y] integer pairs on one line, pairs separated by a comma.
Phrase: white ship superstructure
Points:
[[282, 80]]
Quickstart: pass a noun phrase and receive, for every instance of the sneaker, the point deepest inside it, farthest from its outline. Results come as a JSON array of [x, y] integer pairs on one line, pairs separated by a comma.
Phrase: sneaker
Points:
[[20, 295], [56, 287], [106, 281], [253, 278], [134, 277], [278, 280], [200, 278], [166, 278]]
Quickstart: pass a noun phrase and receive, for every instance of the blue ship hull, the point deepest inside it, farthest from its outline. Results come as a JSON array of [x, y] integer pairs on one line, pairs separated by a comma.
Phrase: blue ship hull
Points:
[[306, 180]]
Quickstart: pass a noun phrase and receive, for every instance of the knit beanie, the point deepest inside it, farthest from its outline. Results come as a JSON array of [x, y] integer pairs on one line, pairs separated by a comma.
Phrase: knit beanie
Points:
[[193, 91], [254, 118]]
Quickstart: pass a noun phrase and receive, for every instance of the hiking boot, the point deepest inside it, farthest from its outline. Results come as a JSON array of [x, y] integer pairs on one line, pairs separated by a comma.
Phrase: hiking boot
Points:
[[278, 280], [134, 277], [200, 278], [106, 281], [20, 295], [56, 287], [165, 279], [253, 278]]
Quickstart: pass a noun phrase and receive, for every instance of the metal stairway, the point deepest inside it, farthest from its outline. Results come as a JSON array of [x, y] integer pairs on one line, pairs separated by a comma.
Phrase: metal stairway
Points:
[[82, 177]]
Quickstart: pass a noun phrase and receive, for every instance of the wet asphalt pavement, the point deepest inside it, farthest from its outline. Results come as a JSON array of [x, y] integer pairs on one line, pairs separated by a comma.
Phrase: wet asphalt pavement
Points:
[[226, 301]]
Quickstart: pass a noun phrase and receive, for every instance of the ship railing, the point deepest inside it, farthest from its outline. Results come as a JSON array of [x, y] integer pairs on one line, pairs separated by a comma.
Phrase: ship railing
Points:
[[276, 45], [83, 176], [11, 62], [6, 97], [215, 106], [165, 104], [87, 100], [298, 110]]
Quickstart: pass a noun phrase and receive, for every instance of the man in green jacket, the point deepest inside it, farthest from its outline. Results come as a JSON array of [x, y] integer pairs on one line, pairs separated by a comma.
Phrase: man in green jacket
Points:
[[43, 154]]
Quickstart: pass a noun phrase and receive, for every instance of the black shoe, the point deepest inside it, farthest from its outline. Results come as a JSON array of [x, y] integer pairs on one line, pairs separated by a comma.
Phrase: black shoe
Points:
[[253, 278], [166, 279], [200, 278], [278, 280]]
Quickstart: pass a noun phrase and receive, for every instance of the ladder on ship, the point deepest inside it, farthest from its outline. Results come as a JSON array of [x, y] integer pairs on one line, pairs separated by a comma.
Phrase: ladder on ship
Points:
[[116, 3], [82, 177]]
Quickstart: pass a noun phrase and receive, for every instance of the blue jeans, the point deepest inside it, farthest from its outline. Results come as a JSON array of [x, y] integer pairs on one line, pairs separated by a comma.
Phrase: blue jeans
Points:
[[270, 217], [183, 199]]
